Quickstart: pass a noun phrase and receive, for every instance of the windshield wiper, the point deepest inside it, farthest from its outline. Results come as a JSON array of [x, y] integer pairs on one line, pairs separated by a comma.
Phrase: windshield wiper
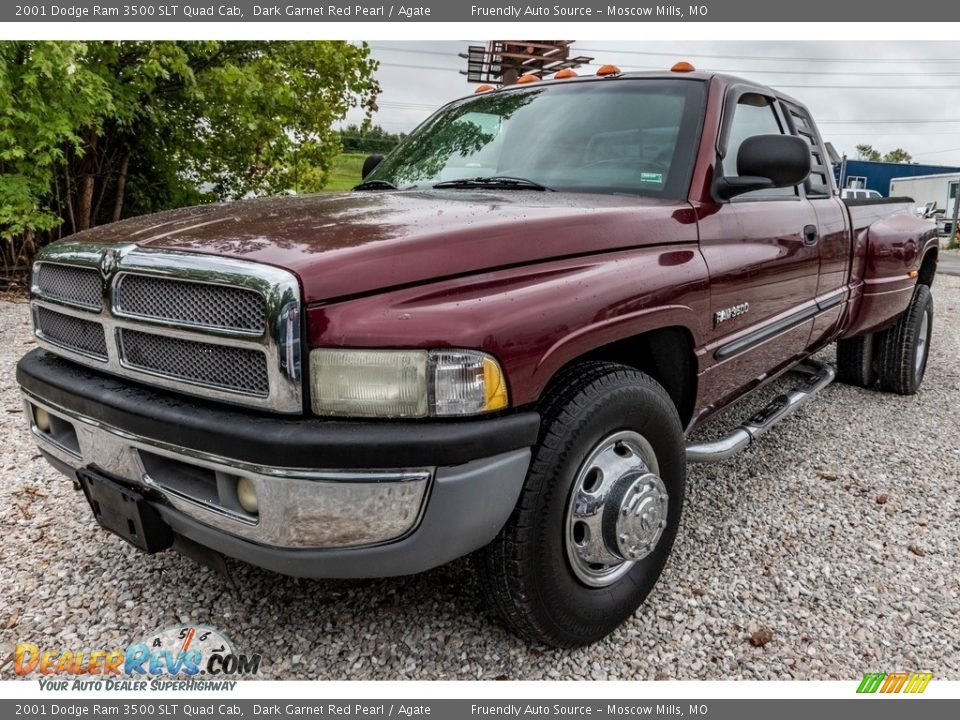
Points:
[[376, 185], [495, 181]]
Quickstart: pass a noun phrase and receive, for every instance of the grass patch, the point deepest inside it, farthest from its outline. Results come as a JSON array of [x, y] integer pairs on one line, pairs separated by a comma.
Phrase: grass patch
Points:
[[345, 172]]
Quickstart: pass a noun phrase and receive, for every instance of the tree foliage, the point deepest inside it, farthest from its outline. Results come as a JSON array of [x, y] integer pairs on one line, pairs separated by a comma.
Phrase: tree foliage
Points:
[[869, 152], [94, 131], [897, 155], [356, 139]]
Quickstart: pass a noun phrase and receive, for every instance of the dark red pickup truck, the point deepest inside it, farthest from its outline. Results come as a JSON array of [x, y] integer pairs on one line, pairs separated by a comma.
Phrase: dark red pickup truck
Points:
[[498, 342]]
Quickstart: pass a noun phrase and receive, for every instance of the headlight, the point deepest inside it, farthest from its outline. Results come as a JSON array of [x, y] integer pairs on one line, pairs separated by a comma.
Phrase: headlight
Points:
[[405, 383]]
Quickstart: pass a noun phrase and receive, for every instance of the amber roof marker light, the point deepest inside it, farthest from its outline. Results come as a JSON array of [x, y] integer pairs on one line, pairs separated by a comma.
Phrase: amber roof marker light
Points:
[[564, 74], [682, 66], [608, 71], [528, 78], [483, 88]]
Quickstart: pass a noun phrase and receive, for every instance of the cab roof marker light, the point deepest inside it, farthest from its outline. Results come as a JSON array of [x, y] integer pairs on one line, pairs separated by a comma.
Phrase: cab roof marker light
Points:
[[528, 78], [608, 71], [564, 74], [483, 89], [682, 67]]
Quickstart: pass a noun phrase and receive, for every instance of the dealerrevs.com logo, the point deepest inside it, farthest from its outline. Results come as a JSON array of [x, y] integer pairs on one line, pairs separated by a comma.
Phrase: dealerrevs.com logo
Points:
[[898, 682], [151, 663]]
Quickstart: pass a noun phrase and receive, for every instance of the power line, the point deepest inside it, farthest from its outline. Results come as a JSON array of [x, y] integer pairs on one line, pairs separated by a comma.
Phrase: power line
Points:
[[766, 58], [406, 105], [748, 71], [894, 133], [871, 87], [924, 61], [418, 67], [934, 152], [413, 51], [779, 85], [884, 122]]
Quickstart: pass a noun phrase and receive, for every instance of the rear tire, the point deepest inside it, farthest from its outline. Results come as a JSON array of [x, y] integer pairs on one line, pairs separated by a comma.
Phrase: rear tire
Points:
[[540, 572], [855, 361], [905, 347]]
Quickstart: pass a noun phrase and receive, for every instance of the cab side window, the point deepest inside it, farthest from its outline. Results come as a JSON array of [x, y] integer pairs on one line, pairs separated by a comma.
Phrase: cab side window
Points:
[[754, 115]]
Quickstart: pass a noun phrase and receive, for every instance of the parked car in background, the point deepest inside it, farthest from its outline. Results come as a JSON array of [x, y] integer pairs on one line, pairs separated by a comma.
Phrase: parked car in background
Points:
[[855, 194]]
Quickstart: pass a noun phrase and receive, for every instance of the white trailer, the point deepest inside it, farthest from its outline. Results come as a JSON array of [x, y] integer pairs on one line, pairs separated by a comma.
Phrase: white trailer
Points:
[[941, 189]]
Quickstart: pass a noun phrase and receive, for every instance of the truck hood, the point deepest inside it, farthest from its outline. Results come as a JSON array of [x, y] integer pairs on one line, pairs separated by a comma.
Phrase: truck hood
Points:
[[348, 244]]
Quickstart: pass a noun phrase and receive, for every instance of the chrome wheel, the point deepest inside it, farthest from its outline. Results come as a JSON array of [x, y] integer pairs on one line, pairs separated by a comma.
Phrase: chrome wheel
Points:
[[921, 351], [617, 510]]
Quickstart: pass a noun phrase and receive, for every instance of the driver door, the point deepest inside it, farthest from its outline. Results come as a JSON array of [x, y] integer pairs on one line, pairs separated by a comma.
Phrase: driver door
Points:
[[761, 250]]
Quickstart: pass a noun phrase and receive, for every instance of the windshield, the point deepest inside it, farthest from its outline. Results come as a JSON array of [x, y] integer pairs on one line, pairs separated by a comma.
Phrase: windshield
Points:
[[622, 136]]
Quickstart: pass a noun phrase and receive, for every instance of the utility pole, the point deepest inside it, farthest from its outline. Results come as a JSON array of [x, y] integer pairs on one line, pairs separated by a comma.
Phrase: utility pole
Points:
[[954, 232]]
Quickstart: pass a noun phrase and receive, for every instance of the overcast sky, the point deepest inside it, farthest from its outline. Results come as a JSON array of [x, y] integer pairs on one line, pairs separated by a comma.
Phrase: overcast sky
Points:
[[854, 89]]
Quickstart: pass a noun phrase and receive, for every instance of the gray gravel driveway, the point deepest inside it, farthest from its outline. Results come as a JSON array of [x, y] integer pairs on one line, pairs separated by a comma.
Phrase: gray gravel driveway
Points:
[[839, 532]]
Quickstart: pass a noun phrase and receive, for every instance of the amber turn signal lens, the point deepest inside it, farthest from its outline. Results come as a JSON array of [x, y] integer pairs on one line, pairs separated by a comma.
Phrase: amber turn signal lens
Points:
[[528, 78], [604, 70], [682, 66]]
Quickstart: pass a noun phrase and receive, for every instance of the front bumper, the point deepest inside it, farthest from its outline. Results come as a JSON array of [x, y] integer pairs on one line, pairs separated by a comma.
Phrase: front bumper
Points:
[[336, 499]]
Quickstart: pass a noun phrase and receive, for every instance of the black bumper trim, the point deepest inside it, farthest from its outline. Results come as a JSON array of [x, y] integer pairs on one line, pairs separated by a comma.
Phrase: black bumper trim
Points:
[[261, 439]]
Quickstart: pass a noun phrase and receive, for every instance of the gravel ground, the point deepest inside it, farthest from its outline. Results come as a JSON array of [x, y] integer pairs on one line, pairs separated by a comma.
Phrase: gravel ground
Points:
[[838, 533]]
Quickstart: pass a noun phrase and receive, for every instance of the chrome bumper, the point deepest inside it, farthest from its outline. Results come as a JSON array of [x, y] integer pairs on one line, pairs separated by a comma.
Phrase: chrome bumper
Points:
[[298, 508]]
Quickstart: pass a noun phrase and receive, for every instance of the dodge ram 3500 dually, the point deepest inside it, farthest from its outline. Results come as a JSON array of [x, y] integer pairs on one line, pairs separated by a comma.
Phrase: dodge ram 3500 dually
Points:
[[498, 342]]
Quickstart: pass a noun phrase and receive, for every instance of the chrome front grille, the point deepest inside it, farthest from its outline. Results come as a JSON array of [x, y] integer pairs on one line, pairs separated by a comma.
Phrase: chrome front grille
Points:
[[209, 326], [220, 366], [70, 284], [190, 303], [71, 333]]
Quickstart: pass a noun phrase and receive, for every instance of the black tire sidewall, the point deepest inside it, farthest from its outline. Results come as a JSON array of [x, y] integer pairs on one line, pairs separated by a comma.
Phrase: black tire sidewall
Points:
[[927, 309], [573, 608], [905, 355]]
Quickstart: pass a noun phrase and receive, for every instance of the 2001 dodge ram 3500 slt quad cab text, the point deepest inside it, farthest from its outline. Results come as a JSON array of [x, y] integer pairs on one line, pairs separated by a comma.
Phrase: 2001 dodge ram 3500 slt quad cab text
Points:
[[498, 342]]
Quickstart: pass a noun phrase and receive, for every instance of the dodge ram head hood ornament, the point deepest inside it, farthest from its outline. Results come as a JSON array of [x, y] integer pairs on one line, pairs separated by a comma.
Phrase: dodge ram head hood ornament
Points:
[[108, 262]]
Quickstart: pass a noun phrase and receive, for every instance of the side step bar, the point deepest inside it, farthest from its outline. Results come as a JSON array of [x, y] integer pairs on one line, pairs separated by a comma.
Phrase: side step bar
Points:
[[821, 375]]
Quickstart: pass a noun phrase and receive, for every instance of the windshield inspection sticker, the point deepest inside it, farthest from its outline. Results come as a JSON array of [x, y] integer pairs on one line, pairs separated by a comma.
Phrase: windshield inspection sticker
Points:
[[651, 178]]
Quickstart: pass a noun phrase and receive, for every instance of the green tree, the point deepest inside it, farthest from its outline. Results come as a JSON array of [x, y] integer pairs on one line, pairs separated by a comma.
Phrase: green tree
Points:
[[375, 139], [867, 152], [91, 132], [898, 155], [49, 98]]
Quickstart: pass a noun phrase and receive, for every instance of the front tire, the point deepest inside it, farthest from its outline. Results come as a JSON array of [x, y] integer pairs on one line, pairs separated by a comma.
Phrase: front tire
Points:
[[905, 346], [599, 510]]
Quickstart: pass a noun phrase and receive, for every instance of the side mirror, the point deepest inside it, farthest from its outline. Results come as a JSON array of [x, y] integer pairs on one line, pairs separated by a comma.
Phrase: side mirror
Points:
[[370, 164], [767, 161]]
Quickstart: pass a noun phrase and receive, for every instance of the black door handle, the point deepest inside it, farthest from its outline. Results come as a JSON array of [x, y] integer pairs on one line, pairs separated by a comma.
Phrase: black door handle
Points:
[[810, 235]]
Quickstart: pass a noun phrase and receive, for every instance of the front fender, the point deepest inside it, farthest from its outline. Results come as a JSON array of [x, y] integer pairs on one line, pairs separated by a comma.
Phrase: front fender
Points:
[[535, 319]]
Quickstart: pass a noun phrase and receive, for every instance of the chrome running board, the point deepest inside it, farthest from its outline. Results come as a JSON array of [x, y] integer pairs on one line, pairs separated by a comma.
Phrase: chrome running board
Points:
[[780, 407]]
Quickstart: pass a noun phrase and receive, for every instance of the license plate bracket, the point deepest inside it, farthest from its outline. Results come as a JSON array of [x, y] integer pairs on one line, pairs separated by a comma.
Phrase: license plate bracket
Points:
[[124, 511]]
